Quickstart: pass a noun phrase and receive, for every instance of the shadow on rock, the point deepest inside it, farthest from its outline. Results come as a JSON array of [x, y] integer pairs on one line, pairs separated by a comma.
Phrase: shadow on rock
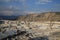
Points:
[[39, 38]]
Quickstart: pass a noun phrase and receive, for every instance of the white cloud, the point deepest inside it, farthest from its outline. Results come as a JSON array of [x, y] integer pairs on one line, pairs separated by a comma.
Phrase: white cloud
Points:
[[12, 0], [5, 0], [43, 1], [14, 7], [6, 12], [22, 0]]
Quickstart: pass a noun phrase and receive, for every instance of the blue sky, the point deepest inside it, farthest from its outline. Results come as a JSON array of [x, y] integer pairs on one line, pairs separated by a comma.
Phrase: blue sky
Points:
[[21, 7]]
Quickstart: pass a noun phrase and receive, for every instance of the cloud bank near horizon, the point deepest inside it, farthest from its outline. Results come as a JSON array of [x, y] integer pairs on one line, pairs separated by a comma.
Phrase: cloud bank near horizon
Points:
[[22, 7]]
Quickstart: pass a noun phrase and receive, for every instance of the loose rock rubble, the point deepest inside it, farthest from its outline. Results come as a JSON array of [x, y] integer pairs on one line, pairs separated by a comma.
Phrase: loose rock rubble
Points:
[[30, 31]]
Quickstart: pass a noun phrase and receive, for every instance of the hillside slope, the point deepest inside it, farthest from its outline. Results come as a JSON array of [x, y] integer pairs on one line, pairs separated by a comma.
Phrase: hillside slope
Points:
[[48, 16]]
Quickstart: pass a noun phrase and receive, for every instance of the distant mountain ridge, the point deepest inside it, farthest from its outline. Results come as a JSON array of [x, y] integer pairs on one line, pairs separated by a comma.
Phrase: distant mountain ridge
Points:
[[47, 16], [8, 17]]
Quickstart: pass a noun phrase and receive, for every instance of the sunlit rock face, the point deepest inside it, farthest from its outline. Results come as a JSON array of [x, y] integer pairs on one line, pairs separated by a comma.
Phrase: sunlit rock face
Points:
[[48, 16], [24, 30]]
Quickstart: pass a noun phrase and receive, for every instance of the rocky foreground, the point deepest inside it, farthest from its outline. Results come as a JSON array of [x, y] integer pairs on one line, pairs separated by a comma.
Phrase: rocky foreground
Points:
[[23, 30]]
